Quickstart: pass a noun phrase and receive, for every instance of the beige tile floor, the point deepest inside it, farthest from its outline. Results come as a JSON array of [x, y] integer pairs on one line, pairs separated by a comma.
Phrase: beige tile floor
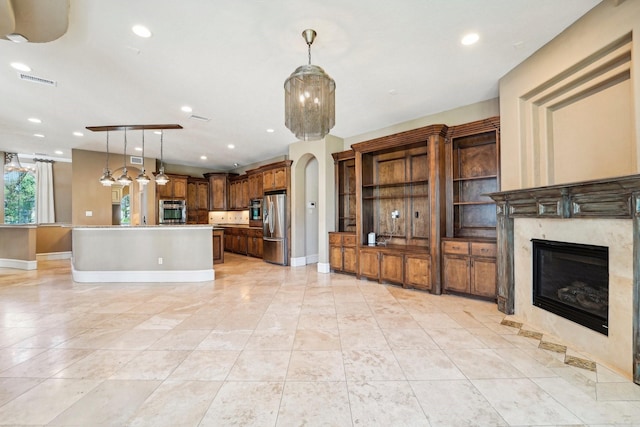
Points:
[[267, 345]]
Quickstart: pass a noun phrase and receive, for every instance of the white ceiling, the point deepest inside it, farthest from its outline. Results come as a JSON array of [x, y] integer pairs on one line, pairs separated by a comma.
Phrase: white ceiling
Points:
[[228, 60]]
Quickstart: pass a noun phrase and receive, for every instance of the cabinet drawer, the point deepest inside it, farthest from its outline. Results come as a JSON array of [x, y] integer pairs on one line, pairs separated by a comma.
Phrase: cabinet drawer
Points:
[[349, 239], [452, 247], [483, 249], [335, 239]]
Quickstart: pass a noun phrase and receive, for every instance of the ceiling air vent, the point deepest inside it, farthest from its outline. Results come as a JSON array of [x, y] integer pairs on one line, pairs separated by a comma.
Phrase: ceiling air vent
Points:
[[135, 160], [34, 79], [202, 119]]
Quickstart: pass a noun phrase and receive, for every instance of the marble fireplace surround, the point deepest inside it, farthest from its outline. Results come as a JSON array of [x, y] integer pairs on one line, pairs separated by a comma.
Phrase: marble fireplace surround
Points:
[[602, 212]]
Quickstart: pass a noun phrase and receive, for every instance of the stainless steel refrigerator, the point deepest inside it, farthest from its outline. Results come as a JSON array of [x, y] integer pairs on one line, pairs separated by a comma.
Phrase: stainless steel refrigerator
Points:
[[274, 223]]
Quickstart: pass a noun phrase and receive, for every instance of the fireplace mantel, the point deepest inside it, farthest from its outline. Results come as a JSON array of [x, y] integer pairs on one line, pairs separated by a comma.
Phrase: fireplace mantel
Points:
[[612, 198]]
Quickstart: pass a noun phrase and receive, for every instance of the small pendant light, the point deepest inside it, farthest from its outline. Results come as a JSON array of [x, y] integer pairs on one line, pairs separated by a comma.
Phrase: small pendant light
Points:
[[125, 179], [161, 178], [106, 179], [143, 179]]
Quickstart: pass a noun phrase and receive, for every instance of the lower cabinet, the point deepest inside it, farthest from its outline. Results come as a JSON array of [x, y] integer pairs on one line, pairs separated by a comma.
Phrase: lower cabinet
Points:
[[218, 246], [254, 243], [243, 241], [410, 269], [469, 267], [343, 255]]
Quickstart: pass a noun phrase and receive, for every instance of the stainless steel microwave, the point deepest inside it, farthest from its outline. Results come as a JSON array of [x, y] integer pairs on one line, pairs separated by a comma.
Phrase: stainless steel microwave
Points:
[[172, 212]]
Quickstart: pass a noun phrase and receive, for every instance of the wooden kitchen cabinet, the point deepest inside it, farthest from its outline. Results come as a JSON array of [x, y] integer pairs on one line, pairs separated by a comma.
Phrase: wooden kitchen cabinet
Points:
[[345, 171], [197, 201], [392, 268], [417, 272], [276, 176], [343, 254], [254, 243], [369, 263], [255, 185], [218, 246], [175, 189], [218, 190], [469, 267]]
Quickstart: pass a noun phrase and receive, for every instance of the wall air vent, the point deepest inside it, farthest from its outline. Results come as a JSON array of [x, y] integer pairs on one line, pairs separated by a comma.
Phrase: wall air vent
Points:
[[135, 160], [34, 79], [202, 119]]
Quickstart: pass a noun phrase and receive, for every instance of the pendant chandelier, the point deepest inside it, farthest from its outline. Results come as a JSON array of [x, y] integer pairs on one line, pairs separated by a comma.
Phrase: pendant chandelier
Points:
[[142, 178], [309, 99], [161, 178], [106, 179], [125, 179]]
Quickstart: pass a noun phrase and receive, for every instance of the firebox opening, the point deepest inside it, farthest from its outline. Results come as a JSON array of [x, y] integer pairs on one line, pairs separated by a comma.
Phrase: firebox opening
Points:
[[572, 281]]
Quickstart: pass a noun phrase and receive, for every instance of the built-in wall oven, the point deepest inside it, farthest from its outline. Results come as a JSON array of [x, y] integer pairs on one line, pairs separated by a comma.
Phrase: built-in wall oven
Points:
[[255, 210], [172, 212]]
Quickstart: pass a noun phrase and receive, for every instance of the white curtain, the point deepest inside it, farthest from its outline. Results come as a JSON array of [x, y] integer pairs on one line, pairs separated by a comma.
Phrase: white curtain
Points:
[[44, 192]]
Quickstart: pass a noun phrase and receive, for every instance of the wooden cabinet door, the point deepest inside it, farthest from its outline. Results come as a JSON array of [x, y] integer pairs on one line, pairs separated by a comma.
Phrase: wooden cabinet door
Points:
[[456, 273], [417, 272], [254, 246], [228, 241], [244, 186], [267, 180], [218, 249], [335, 257], [242, 244], [369, 264], [203, 195], [179, 188], [392, 268], [349, 259], [165, 191], [483, 277], [255, 186], [280, 178], [218, 193]]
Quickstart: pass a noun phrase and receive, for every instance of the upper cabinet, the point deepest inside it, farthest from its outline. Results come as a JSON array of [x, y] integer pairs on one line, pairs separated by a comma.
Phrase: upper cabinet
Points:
[[197, 201], [255, 185], [473, 154], [218, 190], [345, 169], [277, 176], [176, 188]]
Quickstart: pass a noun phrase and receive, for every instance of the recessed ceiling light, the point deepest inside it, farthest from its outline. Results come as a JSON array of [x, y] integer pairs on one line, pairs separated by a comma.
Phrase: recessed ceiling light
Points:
[[21, 67], [231, 146], [58, 152], [39, 135], [270, 130], [186, 109], [393, 92], [158, 132], [34, 120], [138, 148], [203, 157], [141, 31], [470, 39], [78, 134]]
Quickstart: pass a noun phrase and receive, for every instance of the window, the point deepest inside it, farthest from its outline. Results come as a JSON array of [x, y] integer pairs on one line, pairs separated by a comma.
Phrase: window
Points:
[[19, 197]]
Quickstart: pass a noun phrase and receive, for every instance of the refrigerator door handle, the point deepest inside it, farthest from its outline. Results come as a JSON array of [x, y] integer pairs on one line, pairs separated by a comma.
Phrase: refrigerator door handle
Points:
[[273, 239]]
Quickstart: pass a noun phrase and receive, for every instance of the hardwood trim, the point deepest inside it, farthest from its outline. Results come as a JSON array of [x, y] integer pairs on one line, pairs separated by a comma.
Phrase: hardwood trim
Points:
[[132, 127], [343, 155], [420, 135]]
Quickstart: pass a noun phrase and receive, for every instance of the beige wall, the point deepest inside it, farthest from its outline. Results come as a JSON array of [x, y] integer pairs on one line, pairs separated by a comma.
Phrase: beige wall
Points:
[[53, 239], [571, 111], [89, 195], [456, 116], [18, 242], [301, 153], [62, 178]]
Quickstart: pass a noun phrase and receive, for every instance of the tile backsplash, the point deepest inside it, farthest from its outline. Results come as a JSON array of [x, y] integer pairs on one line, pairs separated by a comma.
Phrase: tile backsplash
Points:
[[229, 217]]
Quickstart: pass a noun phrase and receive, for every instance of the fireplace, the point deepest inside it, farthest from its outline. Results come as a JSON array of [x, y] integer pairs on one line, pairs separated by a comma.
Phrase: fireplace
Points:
[[572, 281]]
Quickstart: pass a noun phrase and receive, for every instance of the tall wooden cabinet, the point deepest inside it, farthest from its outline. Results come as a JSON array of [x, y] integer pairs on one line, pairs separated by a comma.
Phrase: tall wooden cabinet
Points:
[[197, 201], [175, 189], [422, 193], [469, 251], [218, 190]]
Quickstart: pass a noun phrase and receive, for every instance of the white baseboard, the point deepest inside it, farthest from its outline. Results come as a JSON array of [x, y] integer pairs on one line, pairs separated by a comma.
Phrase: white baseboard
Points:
[[324, 267], [312, 259], [299, 261], [18, 264], [159, 276], [50, 256]]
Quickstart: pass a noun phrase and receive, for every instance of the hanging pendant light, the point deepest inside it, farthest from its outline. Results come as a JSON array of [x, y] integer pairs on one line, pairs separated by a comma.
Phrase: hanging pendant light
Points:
[[106, 179], [309, 99], [161, 178], [125, 179], [12, 163], [143, 179]]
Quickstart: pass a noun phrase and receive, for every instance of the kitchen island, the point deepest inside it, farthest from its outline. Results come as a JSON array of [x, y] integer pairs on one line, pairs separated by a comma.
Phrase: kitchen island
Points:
[[150, 253]]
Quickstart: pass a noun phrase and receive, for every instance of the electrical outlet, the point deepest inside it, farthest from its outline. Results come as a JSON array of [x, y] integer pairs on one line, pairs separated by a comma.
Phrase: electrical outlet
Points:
[[160, 261], [395, 214]]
